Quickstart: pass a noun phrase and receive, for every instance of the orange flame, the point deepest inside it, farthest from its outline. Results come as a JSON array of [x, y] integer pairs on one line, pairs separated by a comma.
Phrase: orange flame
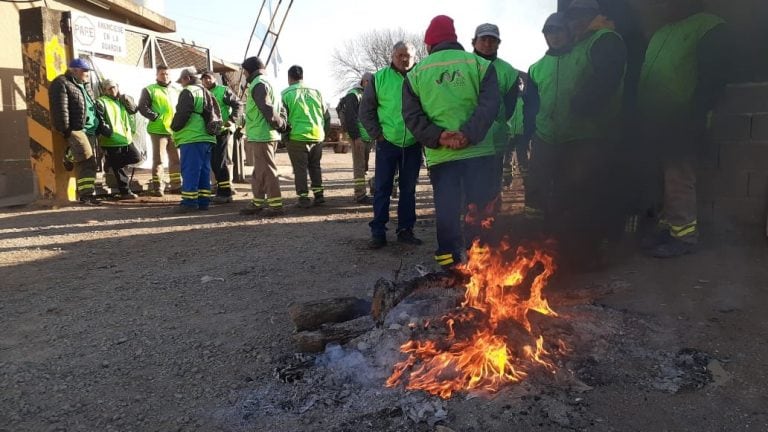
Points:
[[486, 359]]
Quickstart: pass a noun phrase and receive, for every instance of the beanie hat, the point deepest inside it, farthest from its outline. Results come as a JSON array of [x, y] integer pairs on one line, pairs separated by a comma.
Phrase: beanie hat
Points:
[[440, 30]]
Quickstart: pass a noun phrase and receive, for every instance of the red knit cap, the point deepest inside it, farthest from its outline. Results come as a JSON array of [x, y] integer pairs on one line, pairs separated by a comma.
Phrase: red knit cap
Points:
[[440, 30]]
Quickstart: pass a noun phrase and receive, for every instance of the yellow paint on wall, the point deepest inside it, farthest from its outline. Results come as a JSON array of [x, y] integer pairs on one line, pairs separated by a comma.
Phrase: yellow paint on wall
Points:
[[40, 133], [55, 58]]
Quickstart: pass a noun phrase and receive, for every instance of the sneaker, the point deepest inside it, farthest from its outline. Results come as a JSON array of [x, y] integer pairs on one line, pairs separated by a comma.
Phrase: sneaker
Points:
[[251, 210], [221, 199], [365, 200], [90, 201], [319, 199], [406, 236], [127, 195], [273, 212], [184, 209], [377, 242], [672, 249], [304, 202]]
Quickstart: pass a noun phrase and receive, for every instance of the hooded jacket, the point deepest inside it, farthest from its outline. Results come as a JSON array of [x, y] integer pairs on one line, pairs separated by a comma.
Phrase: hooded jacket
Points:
[[67, 103]]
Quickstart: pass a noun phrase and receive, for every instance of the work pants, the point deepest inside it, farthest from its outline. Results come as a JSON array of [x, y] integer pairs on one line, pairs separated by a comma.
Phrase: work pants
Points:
[[82, 148], [361, 152], [117, 158], [467, 185], [196, 172], [391, 159], [305, 158], [164, 151], [220, 161], [265, 183]]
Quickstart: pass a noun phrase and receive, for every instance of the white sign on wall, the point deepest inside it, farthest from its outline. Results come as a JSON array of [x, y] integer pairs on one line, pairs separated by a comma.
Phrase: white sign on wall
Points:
[[98, 35]]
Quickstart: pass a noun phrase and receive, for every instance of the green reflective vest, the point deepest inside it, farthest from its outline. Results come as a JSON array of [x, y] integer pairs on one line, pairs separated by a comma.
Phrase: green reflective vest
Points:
[[91, 121], [388, 83], [194, 131], [256, 126], [358, 92], [218, 92], [498, 136], [669, 74], [305, 113], [447, 84], [558, 78], [164, 100], [515, 123], [123, 125]]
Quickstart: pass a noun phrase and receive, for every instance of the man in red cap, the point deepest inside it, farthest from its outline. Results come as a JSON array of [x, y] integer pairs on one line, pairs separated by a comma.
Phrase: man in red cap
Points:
[[450, 101]]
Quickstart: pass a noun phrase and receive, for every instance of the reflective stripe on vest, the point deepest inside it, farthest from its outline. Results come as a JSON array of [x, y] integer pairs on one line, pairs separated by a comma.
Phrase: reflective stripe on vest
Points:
[[256, 126], [120, 120], [305, 113], [448, 86], [194, 131], [388, 83]]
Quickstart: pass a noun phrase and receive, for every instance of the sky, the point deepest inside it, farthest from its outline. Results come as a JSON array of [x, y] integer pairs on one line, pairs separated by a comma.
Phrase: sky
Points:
[[315, 27]]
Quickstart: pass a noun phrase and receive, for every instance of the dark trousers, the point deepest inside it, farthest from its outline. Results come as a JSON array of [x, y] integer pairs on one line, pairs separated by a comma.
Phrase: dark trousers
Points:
[[196, 174], [461, 185], [220, 164], [389, 160], [305, 158], [117, 158]]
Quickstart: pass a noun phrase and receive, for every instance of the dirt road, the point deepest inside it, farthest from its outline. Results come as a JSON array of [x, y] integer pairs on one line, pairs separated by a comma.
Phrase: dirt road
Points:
[[129, 318]]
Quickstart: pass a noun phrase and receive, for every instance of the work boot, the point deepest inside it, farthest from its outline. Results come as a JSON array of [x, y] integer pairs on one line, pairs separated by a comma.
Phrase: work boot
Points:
[[173, 190], [377, 242], [655, 239], [273, 212], [406, 236], [251, 209], [127, 195], [89, 201], [365, 200], [218, 199], [319, 199], [673, 248], [184, 209], [304, 202]]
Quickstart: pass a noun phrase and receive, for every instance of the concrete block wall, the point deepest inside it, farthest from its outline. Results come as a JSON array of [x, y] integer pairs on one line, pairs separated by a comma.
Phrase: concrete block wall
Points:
[[733, 175]]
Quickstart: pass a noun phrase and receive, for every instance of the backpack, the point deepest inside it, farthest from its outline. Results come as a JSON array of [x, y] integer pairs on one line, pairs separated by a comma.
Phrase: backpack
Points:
[[211, 113]]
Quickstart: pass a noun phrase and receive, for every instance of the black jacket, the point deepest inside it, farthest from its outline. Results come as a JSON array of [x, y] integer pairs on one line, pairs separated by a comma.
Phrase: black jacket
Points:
[[67, 103]]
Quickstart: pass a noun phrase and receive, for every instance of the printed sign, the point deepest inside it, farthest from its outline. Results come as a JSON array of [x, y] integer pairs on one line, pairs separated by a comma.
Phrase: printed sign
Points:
[[98, 35]]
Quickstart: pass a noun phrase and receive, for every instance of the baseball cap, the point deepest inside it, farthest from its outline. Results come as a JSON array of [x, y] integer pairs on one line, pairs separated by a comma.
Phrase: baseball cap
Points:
[[80, 64], [190, 71], [487, 29]]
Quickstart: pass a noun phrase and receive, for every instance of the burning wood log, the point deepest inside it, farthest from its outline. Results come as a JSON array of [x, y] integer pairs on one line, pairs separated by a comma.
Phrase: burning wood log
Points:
[[387, 294], [311, 315], [316, 340]]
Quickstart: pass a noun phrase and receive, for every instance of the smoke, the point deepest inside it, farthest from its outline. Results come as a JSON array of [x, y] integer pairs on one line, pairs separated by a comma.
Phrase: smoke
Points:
[[348, 363]]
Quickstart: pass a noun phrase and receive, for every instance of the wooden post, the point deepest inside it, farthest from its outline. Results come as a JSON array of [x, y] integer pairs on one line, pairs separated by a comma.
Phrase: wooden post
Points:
[[46, 49]]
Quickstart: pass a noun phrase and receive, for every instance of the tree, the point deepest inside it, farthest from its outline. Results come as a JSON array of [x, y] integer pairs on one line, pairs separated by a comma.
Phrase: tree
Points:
[[369, 52]]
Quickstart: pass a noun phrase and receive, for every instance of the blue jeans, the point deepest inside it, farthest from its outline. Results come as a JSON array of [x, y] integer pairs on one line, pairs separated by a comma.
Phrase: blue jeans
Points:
[[196, 174], [389, 159], [463, 184]]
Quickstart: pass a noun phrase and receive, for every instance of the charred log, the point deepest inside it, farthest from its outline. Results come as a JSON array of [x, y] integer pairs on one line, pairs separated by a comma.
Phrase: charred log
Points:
[[311, 315], [316, 340], [387, 294]]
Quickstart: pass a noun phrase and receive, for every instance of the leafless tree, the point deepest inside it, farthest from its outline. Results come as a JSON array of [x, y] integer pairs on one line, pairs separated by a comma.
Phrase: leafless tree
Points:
[[369, 52]]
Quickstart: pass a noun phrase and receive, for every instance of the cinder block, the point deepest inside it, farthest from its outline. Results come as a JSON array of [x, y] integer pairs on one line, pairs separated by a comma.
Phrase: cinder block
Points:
[[758, 184], [731, 126], [760, 126], [739, 211], [712, 184], [743, 156], [744, 98]]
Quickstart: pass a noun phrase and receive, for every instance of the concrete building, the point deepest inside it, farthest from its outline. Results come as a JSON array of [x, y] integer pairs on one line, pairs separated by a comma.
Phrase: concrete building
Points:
[[16, 177]]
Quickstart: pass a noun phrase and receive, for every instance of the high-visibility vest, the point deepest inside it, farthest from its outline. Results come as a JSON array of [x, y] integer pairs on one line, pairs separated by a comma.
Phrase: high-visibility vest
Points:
[[305, 113], [447, 84], [218, 92], [388, 83], [669, 74], [164, 99], [123, 125], [558, 79], [194, 131], [256, 126], [499, 133], [358, 92]]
